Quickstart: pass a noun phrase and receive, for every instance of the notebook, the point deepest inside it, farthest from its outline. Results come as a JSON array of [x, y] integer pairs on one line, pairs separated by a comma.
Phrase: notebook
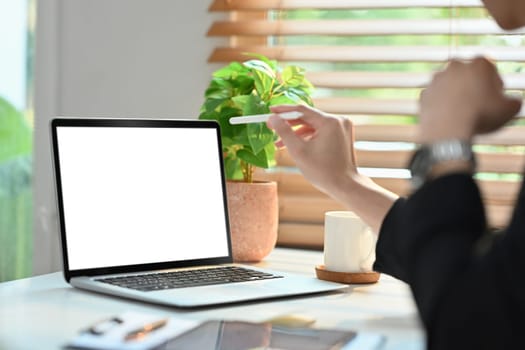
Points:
[[142, 211]]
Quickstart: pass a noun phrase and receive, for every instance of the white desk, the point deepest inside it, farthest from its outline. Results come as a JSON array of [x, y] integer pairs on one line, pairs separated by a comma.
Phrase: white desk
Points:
[[44, 312]]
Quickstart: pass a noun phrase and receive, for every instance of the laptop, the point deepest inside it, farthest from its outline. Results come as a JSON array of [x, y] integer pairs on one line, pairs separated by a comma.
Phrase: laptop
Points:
[[143, 215]]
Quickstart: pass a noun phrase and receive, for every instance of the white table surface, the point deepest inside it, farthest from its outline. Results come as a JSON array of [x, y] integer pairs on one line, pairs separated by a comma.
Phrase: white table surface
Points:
[[44, 312]]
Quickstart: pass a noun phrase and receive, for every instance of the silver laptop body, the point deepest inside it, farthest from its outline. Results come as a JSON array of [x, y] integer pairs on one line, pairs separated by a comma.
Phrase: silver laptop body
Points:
[[143, 196]]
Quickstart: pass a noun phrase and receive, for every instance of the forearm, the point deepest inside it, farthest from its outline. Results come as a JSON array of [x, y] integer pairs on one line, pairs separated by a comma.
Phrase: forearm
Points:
[[363, 196]]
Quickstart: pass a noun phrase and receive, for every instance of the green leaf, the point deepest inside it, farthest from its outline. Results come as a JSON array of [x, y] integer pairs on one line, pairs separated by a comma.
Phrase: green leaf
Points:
[[250, 104], [231, 71], [218, 89], [271, 63], [270, 153], [259, 136], [245, 89], [248, 156], [282, 100], [232, 168], [208, 115], [243, 85], [224, 120], [227, 142], [293, 76], [299, 96], [260, 66], [263, 159], [241, 137], [264, 77], [210, 105], [263, 84]]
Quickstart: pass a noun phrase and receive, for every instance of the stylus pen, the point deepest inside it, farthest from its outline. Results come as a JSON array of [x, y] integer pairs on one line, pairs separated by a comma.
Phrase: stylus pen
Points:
[[146, 329], [261, 118]]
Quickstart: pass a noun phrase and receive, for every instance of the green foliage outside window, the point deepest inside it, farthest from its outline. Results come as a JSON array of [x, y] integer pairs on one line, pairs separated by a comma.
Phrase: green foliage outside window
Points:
[[391, 40], [16, 241], [452, 41]]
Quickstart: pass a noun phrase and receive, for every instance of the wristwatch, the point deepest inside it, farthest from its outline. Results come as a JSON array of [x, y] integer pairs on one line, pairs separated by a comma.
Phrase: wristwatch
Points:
[[429, 155]]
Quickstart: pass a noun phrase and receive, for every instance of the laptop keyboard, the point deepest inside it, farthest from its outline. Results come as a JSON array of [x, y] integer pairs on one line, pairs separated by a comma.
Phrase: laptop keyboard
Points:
[[188, 278]]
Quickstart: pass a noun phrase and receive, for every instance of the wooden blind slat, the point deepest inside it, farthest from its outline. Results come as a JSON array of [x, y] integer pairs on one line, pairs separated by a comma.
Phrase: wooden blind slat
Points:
[[303, 205], [375, 54], [246, 5], [253, 29], [358, 27], [494, 191], [311, 209], [301, 234], [308, 209], [292, 233], [291, 182], [509, 136], [399, 159], [372, 106], [367, 80], [486, 162], [368, 106]]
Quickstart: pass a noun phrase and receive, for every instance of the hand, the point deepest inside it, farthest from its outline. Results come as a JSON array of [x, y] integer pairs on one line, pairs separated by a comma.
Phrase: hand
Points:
[[321, 145], [464, 100]]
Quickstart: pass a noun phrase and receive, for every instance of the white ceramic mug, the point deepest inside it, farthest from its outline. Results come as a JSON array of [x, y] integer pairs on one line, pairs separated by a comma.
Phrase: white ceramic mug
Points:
[[349, 244]]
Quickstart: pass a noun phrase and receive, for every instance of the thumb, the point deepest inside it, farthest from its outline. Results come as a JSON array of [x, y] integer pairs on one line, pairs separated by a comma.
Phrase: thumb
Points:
[[285, 131], [502, 110], [513, 105]]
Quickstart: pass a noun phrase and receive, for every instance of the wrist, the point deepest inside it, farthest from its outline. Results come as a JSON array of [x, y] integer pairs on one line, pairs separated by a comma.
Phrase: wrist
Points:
[[451, 167], [434, 128], [440, 158], [357, 188]]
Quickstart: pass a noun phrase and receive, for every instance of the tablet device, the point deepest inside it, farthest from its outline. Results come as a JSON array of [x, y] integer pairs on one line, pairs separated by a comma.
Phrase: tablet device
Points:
[[238, 335]]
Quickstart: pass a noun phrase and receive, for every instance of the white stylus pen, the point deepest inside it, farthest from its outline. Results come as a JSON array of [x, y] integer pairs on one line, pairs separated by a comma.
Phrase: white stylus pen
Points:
[[261, 118]]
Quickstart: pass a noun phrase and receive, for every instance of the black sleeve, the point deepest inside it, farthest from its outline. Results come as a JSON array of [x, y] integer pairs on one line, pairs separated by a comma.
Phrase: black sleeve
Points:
[[464, 281], [388, 257]]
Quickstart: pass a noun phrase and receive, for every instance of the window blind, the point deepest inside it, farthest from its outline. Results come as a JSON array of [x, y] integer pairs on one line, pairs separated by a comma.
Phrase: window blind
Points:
[[369, 60]]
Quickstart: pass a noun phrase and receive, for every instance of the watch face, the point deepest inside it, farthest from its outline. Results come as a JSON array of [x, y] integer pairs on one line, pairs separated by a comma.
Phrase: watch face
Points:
[[429, 155]]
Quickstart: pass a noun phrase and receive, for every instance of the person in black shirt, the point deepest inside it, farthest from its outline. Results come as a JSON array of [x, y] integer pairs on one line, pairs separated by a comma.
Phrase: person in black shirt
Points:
[[468, 284]]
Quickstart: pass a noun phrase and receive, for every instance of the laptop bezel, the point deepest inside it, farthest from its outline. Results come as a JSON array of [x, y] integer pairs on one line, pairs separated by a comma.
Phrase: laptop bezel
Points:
[[132, 123]]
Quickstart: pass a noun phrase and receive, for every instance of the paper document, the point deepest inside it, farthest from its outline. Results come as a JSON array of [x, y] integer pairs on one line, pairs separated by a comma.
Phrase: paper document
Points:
[[131, 331]]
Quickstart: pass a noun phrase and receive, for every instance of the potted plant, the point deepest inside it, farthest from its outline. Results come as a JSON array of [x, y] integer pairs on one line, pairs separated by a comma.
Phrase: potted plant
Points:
[[250, 88]]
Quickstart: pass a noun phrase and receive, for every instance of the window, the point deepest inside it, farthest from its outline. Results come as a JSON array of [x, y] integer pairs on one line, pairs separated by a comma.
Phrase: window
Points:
[[16, 43], [369, 59]]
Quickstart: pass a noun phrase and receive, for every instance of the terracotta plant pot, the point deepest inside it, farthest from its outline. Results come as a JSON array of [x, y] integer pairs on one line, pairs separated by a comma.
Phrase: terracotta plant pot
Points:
[[254, 216]]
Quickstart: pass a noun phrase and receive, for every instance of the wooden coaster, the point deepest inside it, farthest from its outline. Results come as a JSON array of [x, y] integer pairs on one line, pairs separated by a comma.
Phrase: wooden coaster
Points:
[[346, 277]]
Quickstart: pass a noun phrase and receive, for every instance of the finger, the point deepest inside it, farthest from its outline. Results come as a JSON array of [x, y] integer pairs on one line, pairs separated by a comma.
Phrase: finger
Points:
[[285, 131], [490, 68], [279, 143], [305, 133], [310, 116], [452, 64], [296, 122], [501, 111], [511, 106], [422, 94]]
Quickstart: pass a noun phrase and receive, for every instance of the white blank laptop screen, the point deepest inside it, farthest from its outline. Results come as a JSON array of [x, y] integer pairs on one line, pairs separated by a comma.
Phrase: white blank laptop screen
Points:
[[141, 195]]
